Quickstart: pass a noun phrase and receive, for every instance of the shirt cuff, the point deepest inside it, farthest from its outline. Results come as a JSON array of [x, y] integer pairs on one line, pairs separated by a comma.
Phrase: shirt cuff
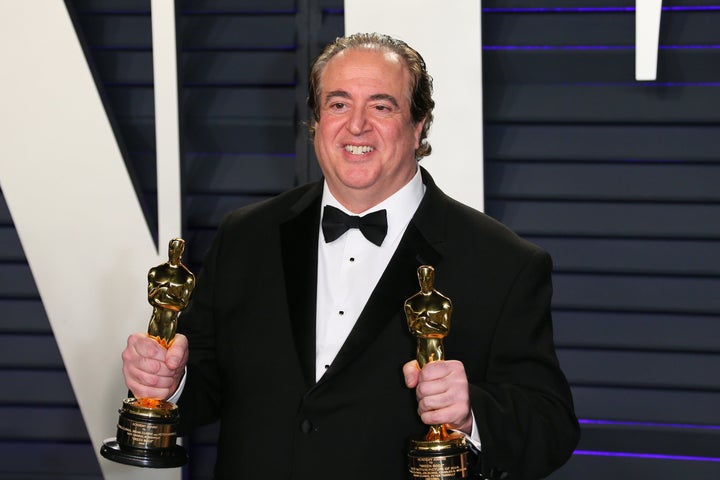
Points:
[[474, 437], [176, 396]]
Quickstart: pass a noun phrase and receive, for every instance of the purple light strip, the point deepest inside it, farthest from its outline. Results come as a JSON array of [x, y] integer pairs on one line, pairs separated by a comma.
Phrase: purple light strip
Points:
[[595, 9], [593, 47], [340, 11], [558, 47], [653, 456], [686, 47], [586, 421], [558, 9], [238, 12], [640, 83]]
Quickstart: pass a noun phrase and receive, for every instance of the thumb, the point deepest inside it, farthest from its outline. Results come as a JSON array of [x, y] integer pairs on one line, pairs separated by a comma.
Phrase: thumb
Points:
[[176, 356], [411, 372]]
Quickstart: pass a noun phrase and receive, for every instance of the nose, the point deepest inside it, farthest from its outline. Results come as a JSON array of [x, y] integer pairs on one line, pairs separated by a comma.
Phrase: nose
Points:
[[357, 122]]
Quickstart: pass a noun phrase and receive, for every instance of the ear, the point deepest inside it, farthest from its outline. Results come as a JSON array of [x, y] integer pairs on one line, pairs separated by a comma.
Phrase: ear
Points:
[[312, 127], [418, 131]]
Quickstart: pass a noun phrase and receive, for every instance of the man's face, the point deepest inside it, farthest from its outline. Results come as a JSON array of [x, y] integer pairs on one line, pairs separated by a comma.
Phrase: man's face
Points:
[[365, 139]]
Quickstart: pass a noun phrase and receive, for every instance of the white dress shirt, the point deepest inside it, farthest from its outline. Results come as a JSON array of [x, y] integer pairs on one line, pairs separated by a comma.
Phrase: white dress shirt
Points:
[[351, 266]]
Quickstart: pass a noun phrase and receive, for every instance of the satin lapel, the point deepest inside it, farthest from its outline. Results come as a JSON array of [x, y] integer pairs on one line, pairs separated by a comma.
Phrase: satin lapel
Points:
[[299, 252], [421, 244]]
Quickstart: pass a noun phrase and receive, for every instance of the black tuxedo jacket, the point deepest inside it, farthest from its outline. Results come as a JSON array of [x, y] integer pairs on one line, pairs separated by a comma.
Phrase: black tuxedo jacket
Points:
[[251, 327]]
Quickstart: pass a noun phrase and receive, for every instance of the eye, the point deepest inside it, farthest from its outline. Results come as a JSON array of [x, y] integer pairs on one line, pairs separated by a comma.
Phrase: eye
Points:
[[337, 106], [383, 109]]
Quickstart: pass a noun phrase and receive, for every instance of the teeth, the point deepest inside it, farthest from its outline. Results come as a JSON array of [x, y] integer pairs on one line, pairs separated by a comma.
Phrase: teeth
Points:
[[358, 149]]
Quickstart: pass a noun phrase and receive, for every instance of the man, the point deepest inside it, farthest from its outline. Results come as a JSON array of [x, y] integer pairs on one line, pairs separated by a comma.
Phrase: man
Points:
[[296, 334]]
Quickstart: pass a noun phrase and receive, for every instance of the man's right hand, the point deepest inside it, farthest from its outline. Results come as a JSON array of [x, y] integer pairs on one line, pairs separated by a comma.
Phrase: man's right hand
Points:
[[151, 371]]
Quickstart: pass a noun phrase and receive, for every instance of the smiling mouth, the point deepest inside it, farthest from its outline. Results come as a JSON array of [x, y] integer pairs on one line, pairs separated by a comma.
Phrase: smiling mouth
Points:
[[358, 149]]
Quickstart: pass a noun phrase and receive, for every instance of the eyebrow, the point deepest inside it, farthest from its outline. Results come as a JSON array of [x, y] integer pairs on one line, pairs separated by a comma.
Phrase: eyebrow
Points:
[[377, 96], [385, 96], [337, 93]]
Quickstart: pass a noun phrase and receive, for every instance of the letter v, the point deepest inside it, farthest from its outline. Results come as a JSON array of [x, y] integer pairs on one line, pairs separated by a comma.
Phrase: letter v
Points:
[[75, 209]]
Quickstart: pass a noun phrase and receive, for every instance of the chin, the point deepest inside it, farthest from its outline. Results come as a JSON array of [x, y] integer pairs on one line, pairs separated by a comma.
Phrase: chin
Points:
[[359, 180]]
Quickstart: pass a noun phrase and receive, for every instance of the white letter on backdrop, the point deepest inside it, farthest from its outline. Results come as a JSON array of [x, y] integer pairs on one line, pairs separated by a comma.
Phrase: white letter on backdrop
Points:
[[647, 34], [75, 210], [449, 39]]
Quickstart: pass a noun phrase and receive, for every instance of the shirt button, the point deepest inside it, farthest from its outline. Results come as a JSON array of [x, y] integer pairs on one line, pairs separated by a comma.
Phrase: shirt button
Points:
[[306, 426]]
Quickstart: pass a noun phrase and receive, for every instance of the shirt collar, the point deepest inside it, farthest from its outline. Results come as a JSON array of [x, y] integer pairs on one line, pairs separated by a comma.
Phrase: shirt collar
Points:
[[400, 206]]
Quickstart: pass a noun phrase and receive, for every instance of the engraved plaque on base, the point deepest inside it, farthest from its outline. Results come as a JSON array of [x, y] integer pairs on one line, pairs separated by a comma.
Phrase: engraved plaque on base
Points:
[[440, 454], [445, 459], [146, 436], [147, 428]]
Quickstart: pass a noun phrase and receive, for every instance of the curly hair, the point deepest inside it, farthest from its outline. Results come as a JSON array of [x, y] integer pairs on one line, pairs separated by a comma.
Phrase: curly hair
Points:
[[421, 101]]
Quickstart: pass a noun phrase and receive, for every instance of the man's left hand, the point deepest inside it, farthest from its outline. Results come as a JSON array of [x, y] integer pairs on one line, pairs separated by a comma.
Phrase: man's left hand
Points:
[[442, 392]]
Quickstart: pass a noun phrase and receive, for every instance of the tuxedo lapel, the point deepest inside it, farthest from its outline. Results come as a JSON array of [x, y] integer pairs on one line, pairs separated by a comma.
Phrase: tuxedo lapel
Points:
[[299, 234]]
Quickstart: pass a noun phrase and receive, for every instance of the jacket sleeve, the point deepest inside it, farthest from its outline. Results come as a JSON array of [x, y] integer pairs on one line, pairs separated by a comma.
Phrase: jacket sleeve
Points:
[[200, 400], [524, 409]]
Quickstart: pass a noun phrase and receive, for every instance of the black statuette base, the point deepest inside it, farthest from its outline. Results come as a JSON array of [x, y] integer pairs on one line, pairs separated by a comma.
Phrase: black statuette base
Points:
[[175, 456], [146, 436]]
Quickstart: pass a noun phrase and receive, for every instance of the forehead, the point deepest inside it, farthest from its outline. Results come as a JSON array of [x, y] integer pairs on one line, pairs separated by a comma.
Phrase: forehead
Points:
[[368, 67]]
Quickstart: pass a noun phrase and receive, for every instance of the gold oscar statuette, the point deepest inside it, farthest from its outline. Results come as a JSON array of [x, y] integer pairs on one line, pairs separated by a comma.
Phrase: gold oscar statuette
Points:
[[440, 454], [147, 427]]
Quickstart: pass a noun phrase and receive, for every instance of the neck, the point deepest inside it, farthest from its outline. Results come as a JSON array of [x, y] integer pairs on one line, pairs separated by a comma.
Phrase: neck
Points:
[[362, 200], [357, 205]]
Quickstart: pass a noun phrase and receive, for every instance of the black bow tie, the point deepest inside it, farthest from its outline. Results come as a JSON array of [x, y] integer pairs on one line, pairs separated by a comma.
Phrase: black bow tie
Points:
[[336, 222]]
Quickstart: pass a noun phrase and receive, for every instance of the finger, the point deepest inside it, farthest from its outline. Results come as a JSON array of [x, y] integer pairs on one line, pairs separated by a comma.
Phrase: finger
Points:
[[444, 408], [145, 346], [439, 369], [444, 399], [456, 417], [144, 385], [433, 380], [142, 370], [447, 387], [411, 372], [132, 361], [140, 378], [177, 354], [148, 392]]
